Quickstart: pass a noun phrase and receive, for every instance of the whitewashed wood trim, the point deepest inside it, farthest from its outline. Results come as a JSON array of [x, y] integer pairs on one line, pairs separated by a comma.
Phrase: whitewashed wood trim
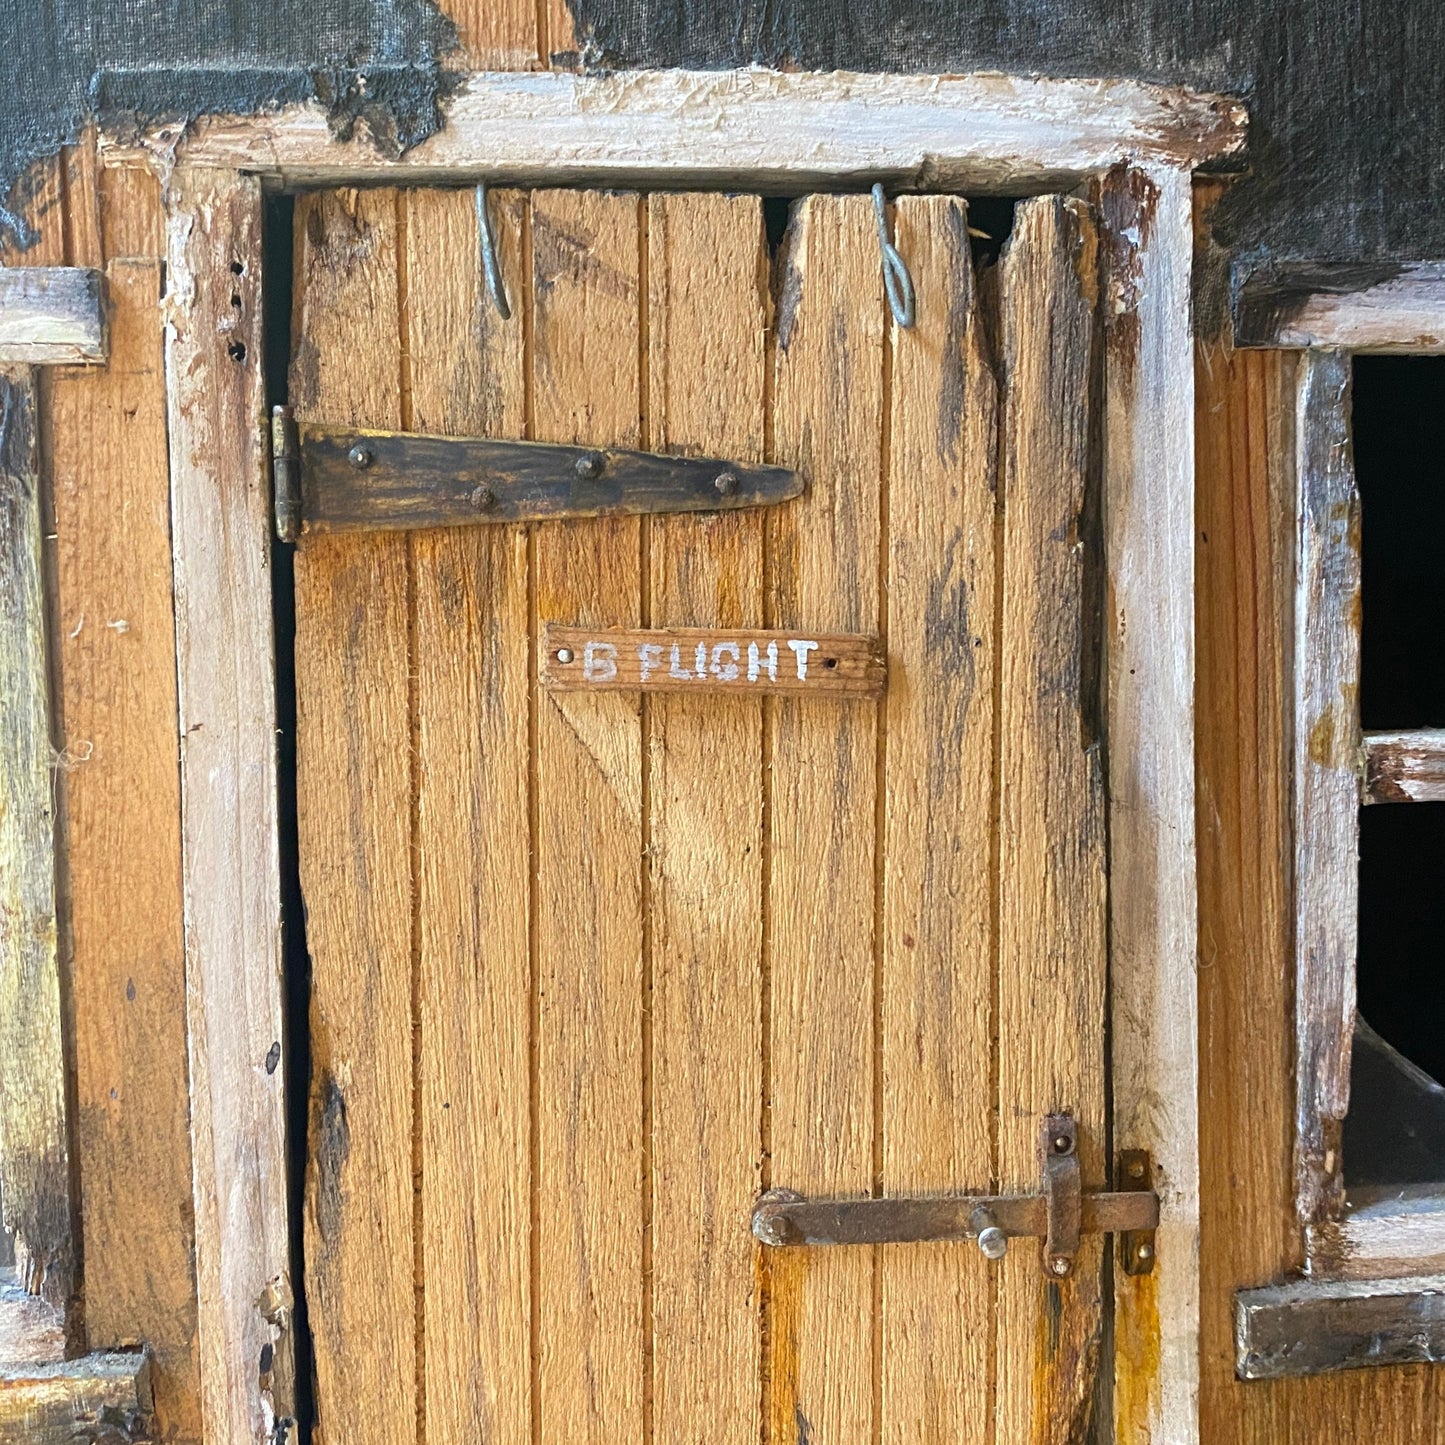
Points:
[[751, 129], [1405, 767], [1347, 308], [34, 1146], [1326, 761], [1399, 1233], [1149, 641], [51, 316], [221, 530]]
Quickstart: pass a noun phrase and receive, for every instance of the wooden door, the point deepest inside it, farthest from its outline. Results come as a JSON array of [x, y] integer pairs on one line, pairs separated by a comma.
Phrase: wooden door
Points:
[[593, 971]]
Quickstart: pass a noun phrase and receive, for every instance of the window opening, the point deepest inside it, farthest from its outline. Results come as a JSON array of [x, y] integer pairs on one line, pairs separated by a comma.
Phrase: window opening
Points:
[[1395, 1131]]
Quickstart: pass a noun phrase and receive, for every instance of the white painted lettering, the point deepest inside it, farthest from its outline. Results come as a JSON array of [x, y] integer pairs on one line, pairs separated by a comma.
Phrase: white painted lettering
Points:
[[599, 662], [677, 670], [801, 651], [649, 658], [725, 671], [700, 661], [768, 661]]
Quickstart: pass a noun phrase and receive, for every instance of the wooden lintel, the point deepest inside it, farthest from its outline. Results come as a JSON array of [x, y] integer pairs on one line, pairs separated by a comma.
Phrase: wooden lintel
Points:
[[752, 129], [1353, 307], [1311, 1327], [51, 316], [1405, 767], [575, 659], [101, 1397]]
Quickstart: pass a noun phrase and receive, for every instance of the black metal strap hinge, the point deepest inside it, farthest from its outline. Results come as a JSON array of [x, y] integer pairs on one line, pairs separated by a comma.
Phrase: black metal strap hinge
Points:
[[1059, 1214], [334, 479]]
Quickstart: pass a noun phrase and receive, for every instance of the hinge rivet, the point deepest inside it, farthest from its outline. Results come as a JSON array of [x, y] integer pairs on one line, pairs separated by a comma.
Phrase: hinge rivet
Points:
[[360, 457], [1059, 1266], [564, 654], [590, 465], [726, 483], [1144, 1252], [1062, 1144], [1136, 1169], [483, 497]]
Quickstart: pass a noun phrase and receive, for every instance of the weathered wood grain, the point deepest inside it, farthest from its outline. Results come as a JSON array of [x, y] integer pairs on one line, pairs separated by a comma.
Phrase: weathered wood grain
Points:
[[126, 948], [702, 659], [750, 129], [410, 480], [354, 790], [937, 944], [1310, 1327], [51, 315], [586, 389], [498, 34], [1406, 767], [34, 1144], [1346, 307], [473, 843], [823, 571], [101, 1397], [1326, 748], [707, 315], [1148, 633], [1051, 925], [220, 526]]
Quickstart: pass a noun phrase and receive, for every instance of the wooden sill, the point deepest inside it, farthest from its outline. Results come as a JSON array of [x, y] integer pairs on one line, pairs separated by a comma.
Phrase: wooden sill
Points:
[[97, 1397], [1314, 1327], [1406, 767], [1386, 1233]]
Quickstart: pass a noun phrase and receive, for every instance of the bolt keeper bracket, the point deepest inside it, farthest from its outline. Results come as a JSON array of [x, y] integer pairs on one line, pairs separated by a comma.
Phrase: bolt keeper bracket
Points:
[[1059, 1214]]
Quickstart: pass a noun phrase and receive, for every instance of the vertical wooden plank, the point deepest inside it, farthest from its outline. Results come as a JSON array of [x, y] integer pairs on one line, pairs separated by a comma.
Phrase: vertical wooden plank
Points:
[[117, 644], [1246, 579], [499, 34], [938, 906], [707, 292], [1326, 756], [354, 790], [231, 872], [34, 1147], [1051, 983], [1147, 237], [824, 573], [82, 203], [467, 377], [589, 1187], [130, 212]]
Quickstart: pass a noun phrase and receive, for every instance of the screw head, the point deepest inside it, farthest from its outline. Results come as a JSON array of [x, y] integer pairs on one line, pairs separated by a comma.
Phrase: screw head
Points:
[[483, 497], [1144, 1251], [564, 655], [1136, 1169], [1062, 1143], [726, 483], [589, 465], [1059, 1265], [360, 457]]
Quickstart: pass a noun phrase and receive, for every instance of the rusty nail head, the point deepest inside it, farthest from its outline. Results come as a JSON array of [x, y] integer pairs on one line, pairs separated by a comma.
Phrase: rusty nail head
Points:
[[1059, 1265], [1136, 1169], [564, 654], [360, 457], [483, 497], [590, 465], [726, 483]]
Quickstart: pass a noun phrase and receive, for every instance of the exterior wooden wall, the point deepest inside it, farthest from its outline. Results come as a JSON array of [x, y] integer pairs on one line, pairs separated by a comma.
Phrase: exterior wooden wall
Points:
[[103, 445]]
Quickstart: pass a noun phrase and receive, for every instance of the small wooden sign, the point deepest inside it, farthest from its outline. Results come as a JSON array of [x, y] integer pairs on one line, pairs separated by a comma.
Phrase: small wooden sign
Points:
[[576, 659]]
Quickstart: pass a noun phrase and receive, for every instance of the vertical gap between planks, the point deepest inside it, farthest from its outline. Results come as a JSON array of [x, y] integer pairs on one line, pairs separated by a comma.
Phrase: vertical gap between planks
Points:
[[995, 852], [880, 835], [534, 997], [765, 868], [413, 724], [644, 546]]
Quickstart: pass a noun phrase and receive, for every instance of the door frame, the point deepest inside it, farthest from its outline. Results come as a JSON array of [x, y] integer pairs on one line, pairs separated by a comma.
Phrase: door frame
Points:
[[1133, 147]]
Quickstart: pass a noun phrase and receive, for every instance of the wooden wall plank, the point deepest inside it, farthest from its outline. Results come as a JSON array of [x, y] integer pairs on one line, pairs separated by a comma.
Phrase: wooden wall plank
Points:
[[131, 221], [472, 659], [231, 871], [937, 957], [707, 298], [1052, 950], [498, 34], [824, 573], [1147, 248], [34, 1143], [1326, 746], [586, 388], [354, 788], [126, 948]]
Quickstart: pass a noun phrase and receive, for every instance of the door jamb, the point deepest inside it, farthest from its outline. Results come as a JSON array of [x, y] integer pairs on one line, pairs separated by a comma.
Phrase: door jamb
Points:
[[1137, 145]]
